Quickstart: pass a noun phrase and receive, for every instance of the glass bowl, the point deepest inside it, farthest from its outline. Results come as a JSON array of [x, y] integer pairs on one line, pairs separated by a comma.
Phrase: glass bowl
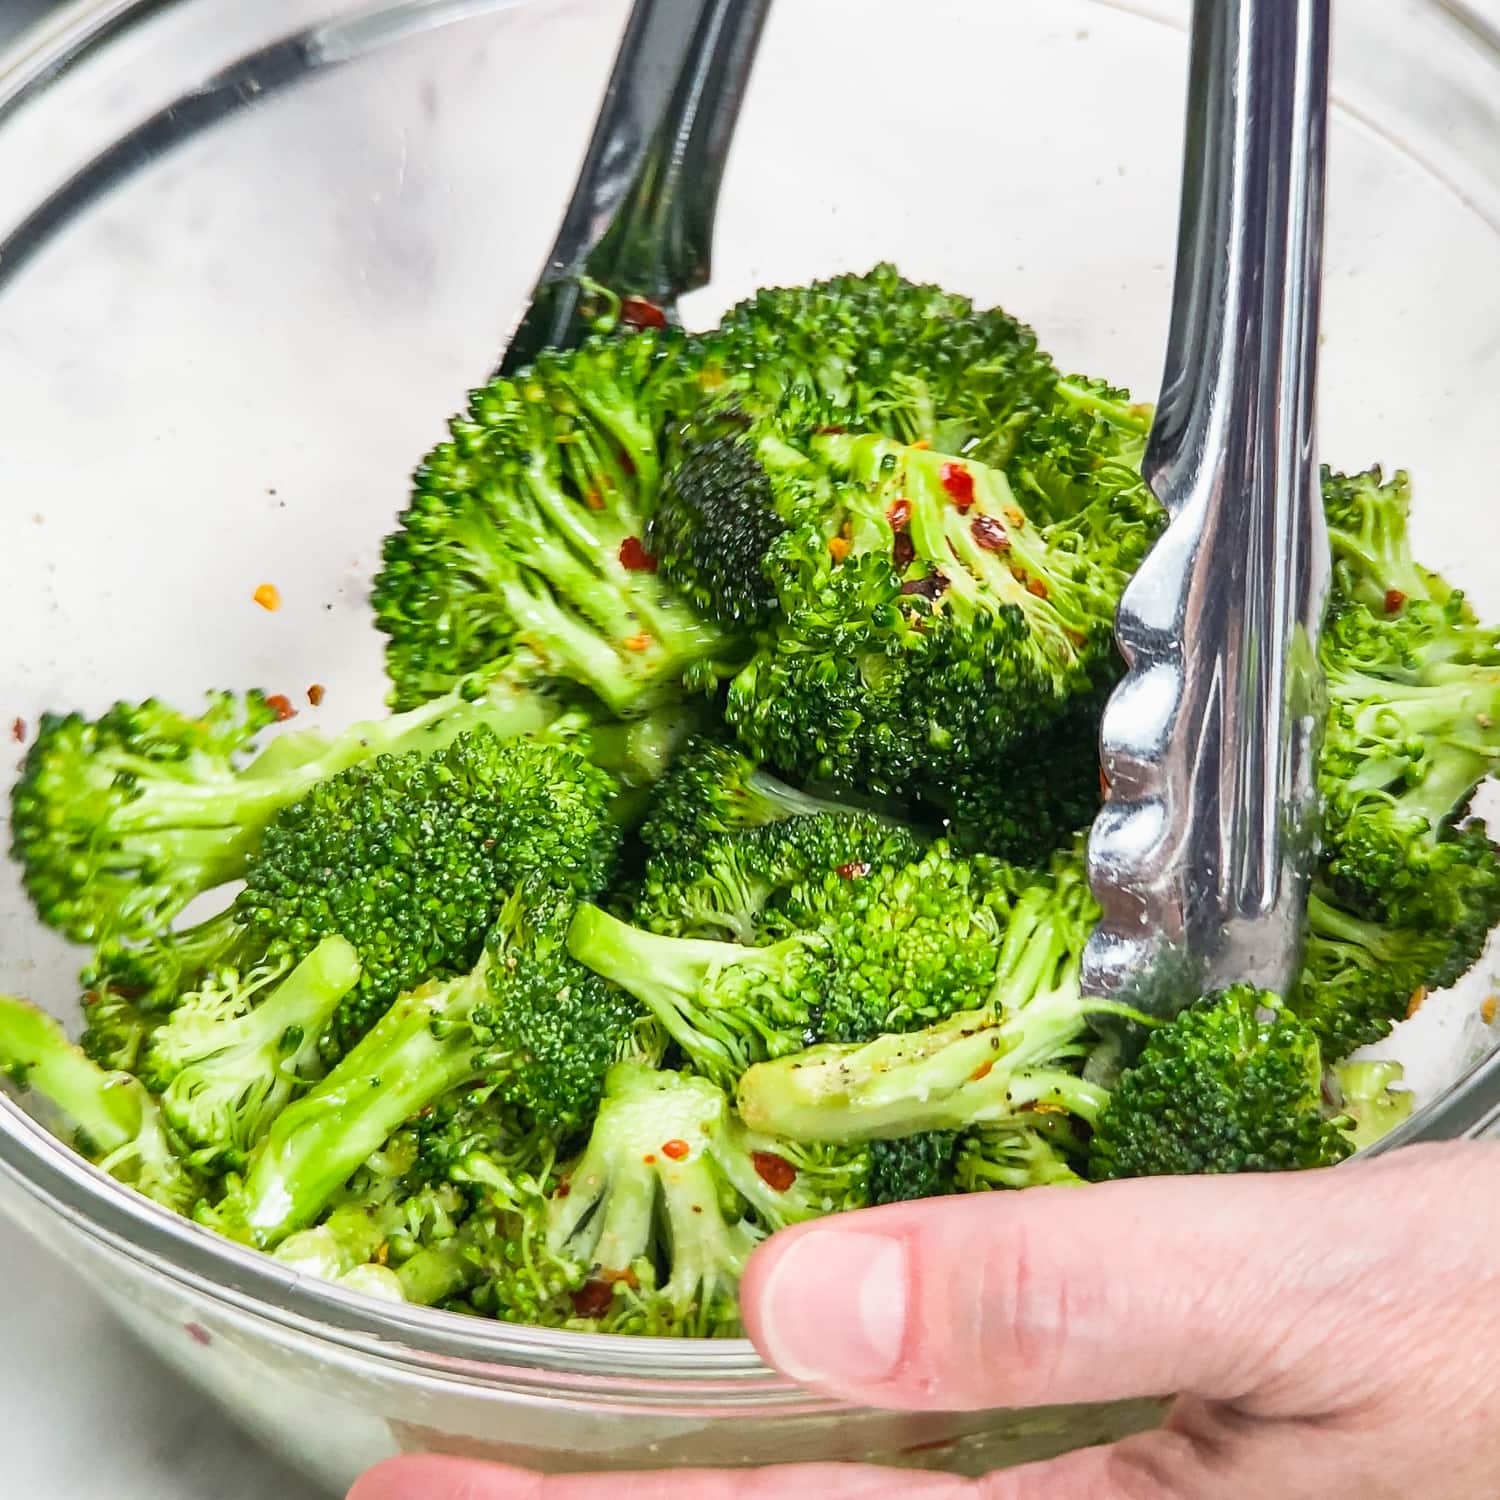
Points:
[[251, 256]]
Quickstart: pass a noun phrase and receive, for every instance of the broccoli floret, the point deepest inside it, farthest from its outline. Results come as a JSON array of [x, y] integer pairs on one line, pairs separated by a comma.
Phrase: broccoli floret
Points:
[[880, 354], [119, 822], [721, 886], [551, 1050], [1360, 976], [1368, 534], [1037, 798], [915, 1166], [411, 857], [1045, 1150], [663, 1208], [234, 1052], [110, 1117], [1234, 1084], [526, 528], [1018, 1054], [715, 788], [1371, 1101], [915, 940], [925, 622]]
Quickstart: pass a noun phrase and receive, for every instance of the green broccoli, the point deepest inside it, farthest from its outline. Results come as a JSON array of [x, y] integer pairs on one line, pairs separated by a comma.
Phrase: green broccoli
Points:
[[119, 822], [526, 530], [110, 1116], [1371, 1100], [233, 1053], [1048, 1149], [662, 1210], [925, 622], [1234, 1084]]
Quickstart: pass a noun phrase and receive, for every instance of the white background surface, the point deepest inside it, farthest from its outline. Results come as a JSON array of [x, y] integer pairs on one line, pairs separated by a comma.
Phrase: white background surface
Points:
[[85, 1413]]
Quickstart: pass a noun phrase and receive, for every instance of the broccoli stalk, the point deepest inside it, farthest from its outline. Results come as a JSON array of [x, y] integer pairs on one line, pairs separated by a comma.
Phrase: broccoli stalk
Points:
[[1044, 1151], [419, 1050], [1371, 1101], [725, 1005], [666, 1203], [231, 1056], [112, 1119], [120, 822]]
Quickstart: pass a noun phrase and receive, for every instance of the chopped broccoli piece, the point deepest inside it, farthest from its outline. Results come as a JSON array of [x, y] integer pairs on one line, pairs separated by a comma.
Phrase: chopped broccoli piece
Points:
[[119, 822], [110, 1116], [233, 1053], [1234, 1084], [526, 530], [1371, 1100]]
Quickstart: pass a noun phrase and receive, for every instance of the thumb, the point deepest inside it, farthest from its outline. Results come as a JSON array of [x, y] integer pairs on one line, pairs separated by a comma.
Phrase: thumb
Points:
[[1213, 1286]]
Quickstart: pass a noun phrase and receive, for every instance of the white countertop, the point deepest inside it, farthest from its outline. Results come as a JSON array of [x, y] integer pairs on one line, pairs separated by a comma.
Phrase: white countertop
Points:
[[89, 1415]]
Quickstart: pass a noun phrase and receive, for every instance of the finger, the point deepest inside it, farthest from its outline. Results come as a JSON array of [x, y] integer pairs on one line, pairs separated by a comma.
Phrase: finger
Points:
[[424, 1478], [1062, 1295]]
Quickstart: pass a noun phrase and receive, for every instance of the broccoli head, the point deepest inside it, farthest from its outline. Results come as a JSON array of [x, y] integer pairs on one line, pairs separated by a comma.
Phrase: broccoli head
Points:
[[119, 822], [1234, 1084], [525, 532]]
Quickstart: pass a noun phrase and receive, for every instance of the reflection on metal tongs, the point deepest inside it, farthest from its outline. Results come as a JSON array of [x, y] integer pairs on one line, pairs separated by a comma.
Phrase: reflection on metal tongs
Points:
[[1202, 854]]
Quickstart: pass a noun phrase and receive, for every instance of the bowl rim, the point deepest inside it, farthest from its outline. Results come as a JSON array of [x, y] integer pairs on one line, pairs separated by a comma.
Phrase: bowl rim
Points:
[[442, 1345]]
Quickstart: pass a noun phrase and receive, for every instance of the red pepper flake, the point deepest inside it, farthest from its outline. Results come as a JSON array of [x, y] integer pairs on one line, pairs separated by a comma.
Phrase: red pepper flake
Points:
[[593, 499], [898, 513], [637, 312], [626, 1277], [315, 694], [830, 429], [990, 534], [199, 1334], [649, 1158], [18, 729], [776, 1172], [856, 869], [1077, 637], [959, 483], [641, 642], [628, 464], [933, 586], [1394, 599], [921, 443], [903, 551], [268, 596], [282, 707], [983, 1070], [593, 1299], [839, 548], [1037, 586], [677, 1150], [634, 557], [563, 1189]]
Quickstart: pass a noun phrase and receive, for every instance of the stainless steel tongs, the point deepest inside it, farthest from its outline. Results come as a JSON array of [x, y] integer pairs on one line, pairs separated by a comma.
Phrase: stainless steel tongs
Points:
[[1202, 855]]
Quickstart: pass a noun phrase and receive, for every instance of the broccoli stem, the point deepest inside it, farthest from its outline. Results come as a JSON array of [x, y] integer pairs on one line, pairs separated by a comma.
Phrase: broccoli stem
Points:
[[971, 1069], [419, 1050], [105, 1109]]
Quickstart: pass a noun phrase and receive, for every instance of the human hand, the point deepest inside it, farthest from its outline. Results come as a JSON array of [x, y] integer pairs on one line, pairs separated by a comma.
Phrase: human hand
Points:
[[1333, 1334]]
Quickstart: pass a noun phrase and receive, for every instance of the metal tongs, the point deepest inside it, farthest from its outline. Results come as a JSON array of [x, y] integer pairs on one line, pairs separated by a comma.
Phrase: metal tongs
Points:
[[1202, 855], [639, 226]]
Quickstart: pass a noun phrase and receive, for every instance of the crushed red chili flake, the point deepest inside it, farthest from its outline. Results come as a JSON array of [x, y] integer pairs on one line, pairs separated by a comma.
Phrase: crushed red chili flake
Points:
[[315, 694], [776, 1172], [563, 1189], [634, 557], [593, 1299], [18, 729], [898, 513], [199, 1334], [627, 1277], [903, 551], [830, 429], [933, 586], [959, 483], [990, 534], [593, 499], [983, 1070], [649, 1158], [627, 463], [856, 869], [1077, 637], [281, 705], [637, 312], [676, 1150], [1394, 599], [1037, 586]]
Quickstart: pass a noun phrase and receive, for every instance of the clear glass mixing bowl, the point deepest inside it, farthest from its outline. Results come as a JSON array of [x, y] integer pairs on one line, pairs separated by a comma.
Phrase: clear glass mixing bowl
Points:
[[251, 256]]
